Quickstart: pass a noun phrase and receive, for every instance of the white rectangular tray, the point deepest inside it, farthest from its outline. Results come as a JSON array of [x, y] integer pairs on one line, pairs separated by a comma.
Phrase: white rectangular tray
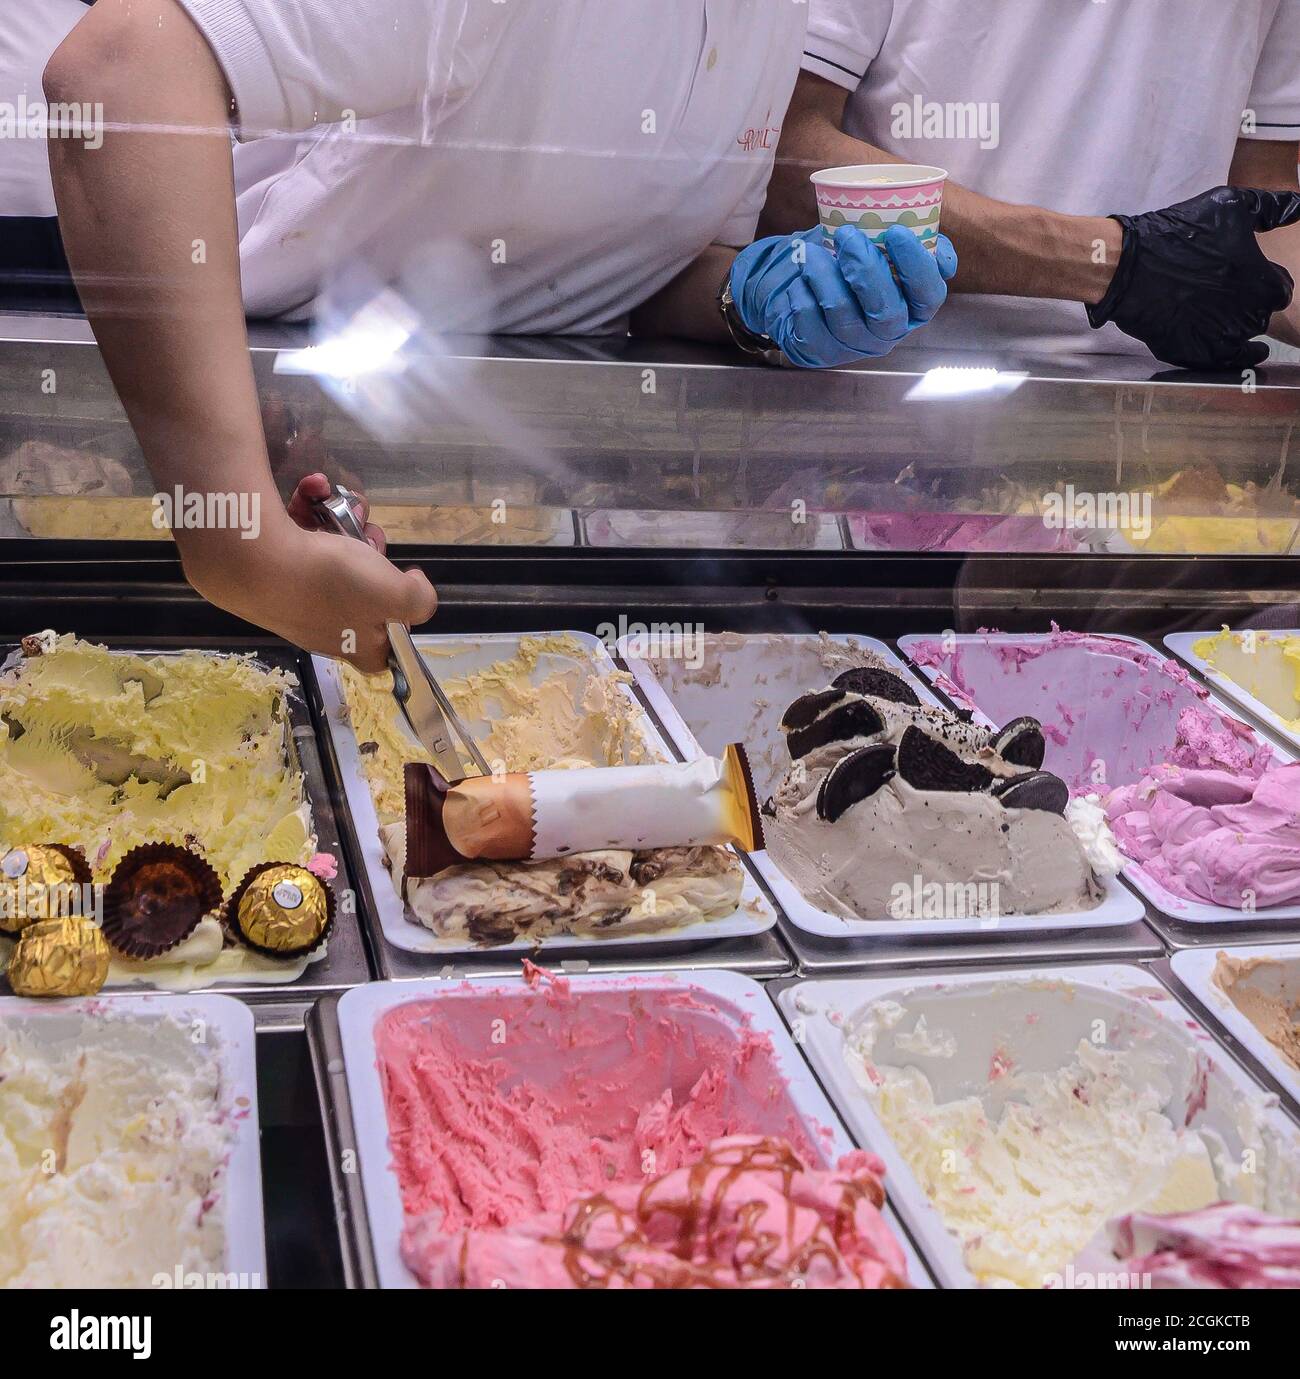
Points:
[[1173, 906], [754, 915], [821, 1040], [232, 1023], [1194, 968], [362, 1006], [1181, 644], [1118, 905]]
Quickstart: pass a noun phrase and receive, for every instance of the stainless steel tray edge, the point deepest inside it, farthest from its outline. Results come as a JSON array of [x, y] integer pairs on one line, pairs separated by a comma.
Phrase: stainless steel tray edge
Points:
[[326, 1046]]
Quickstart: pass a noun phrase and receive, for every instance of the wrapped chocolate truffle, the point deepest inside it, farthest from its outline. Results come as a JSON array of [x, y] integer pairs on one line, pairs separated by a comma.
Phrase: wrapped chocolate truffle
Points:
[[59, 957], [41, 881], [282, 910], [157, 896], [539, 814]]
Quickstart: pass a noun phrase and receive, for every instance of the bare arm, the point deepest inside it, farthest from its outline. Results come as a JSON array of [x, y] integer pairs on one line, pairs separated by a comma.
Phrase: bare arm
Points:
[[688, 307], [148, 222], [1271, 166], [1023, 251]]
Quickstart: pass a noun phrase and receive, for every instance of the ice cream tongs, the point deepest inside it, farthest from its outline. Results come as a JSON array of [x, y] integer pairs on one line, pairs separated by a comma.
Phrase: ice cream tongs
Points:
[[423, 700]]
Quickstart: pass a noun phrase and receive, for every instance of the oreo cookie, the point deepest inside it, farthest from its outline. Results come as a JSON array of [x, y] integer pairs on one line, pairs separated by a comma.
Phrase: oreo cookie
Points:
[[1021, 743], [884, 684], [1037, 790], [926, 764], [805, 709], [854, 718], [854, 778]]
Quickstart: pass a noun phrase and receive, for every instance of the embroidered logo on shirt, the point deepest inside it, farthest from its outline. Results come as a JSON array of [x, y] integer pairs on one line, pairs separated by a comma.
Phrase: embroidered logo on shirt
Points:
[[764, 136]]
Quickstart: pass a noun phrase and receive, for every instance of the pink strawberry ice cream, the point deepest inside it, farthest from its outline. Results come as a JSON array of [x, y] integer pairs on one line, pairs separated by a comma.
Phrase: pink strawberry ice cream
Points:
[[1214, 835], [539, 1135], [1227, 1245], [1192, 794], [946, 531], [1110, 709], [746, 1214]]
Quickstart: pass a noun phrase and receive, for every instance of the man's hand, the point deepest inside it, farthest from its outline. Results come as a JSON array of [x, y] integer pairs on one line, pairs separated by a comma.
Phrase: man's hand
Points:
[[323, 592], [1193, 283], [823, 310]]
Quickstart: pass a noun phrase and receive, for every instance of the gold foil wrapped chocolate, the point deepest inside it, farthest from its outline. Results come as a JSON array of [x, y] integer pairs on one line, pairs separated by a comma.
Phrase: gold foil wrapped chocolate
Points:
[[281, 909], [41, 881], [540, 814], [59, 957]]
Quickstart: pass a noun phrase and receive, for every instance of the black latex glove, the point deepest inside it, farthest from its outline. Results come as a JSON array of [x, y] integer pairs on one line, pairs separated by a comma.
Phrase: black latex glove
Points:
[[1192, 283]]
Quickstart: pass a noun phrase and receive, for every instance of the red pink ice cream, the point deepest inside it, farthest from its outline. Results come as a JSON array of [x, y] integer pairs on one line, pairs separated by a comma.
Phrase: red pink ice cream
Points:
[[615, 1138]]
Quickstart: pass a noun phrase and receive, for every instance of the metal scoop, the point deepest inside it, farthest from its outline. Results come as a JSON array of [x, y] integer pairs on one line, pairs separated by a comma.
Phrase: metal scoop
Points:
[[423, 701]]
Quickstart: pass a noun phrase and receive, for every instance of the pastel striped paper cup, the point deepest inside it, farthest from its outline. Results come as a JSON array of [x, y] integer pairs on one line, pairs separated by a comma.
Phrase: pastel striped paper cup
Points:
[[875, 196]]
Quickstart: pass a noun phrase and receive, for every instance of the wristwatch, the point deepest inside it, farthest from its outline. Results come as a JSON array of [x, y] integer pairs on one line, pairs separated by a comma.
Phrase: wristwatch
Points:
[[761, 346]]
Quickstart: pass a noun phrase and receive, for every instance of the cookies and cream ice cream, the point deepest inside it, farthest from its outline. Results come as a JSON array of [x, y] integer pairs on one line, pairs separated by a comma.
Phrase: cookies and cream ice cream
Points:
[[1264, 664], [892, 809], [547, 706], [114, 1140], [1268, 995], [106, 751], [625, 1137], [734, 686]]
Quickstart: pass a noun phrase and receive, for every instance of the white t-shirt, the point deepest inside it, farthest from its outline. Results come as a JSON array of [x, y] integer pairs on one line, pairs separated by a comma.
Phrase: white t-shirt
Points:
[[528, 166], [1085, 108], [29, 34]]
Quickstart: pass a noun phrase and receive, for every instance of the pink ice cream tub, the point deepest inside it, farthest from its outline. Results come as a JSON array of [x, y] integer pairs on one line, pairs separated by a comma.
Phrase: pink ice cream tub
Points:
[[480, 1106], [878, 196]]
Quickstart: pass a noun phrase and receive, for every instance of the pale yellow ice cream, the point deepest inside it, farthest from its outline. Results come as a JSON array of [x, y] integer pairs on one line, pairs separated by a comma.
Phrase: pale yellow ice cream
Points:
[[457, 525], [1265, 665], [106, 751], [90, 518], [112, 1145], [1026, 1173], [570, 716], [545, 707], [1196, 512]]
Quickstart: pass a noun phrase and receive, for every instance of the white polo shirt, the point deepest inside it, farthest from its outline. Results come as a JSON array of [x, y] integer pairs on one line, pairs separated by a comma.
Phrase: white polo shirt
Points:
[[507, 165], [1125, 106], [29, 34]]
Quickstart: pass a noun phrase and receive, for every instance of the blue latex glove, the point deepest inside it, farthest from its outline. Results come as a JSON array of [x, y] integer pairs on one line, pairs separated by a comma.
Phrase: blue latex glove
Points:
[[832, 309]]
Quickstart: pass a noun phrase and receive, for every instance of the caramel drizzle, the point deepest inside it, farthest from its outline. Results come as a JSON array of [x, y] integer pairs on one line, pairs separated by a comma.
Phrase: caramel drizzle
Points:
[[757, 1254]]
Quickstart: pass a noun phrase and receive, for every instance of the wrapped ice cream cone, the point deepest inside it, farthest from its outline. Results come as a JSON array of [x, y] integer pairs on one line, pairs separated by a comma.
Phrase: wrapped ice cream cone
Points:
[[542, 814]]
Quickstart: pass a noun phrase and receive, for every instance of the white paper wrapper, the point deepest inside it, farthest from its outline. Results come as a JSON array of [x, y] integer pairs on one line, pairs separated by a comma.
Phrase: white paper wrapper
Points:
[[547, 814]]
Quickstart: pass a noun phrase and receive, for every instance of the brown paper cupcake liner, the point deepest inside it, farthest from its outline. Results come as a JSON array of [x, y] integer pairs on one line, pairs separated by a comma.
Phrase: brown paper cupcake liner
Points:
[[231, 919], [157, 896]]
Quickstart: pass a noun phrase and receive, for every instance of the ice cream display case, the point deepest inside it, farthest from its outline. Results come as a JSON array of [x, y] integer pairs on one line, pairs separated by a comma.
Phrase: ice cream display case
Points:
[[1012, 648]]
